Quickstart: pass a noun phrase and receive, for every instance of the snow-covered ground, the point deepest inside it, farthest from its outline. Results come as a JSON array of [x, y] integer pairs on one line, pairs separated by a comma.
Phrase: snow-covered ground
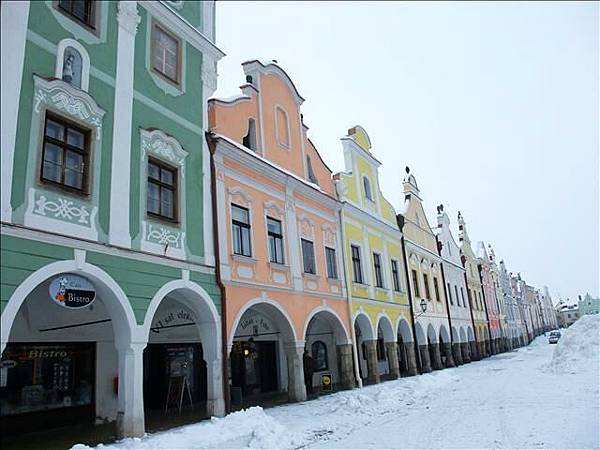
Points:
[[523, 399]]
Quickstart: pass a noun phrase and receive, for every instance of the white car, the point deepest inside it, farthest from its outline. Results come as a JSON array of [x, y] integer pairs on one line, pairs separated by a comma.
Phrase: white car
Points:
[[554, 337]]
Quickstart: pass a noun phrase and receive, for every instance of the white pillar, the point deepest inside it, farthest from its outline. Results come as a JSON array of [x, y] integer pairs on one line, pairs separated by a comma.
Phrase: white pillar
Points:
[[296, 386], [14, 16], [209, 85], [130, 415], [128, 20], [215, 403]]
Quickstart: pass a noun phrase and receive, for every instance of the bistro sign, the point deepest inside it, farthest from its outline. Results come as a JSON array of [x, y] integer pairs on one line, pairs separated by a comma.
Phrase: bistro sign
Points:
[[72, 291]]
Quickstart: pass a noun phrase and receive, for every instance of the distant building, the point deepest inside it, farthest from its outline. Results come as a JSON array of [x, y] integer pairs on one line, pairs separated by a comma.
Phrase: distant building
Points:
[[566, 314], [588, 305]]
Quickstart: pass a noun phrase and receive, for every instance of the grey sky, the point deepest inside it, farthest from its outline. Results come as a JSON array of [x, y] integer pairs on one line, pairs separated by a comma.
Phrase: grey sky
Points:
[[493, 106]]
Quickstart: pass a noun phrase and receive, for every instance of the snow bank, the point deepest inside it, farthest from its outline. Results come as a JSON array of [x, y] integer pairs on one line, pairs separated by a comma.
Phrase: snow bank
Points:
[[578, 347], [247, 428]]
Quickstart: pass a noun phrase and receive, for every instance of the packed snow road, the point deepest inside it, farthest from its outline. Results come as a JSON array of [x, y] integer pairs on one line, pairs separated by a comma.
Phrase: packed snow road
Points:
[[516, 399]]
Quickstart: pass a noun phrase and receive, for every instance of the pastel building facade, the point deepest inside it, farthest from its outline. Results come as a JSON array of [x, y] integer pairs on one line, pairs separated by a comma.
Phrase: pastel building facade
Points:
[[474, 291], [510, 308], [489, 296], [280, 245], [501, 341], [374, 266], [461, 319], [106, 202], [426, 281]]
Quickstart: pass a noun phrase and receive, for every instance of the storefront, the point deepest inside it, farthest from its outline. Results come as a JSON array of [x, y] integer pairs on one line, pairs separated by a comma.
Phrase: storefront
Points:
[[46, 384], [253, 367]]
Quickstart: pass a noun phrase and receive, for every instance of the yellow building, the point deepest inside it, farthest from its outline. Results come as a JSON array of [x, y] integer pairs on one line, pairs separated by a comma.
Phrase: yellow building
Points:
[[375, 271]]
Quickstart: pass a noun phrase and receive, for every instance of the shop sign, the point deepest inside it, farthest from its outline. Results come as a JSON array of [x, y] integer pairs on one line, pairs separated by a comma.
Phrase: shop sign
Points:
[[327, 382], [72, 291]]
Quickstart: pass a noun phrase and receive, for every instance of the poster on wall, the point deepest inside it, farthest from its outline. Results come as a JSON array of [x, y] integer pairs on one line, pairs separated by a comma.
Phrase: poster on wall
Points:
[[72, 291]]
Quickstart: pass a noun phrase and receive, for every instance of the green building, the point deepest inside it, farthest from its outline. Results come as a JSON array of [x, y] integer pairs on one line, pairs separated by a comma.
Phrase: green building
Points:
[[108, 290]]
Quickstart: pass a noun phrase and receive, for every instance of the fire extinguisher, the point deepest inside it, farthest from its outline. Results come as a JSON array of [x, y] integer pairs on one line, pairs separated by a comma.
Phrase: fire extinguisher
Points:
[[116, 385]]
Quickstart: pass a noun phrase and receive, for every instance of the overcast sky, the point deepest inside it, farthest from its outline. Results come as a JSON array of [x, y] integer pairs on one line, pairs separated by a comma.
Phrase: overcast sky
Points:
[[493, 106]]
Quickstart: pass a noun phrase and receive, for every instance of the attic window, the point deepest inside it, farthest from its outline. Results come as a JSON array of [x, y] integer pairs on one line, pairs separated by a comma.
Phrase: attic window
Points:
[[309, 169], [249, 141], [367, 186]]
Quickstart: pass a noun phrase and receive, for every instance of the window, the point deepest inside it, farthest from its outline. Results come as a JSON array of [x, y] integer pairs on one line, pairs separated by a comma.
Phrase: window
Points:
[[240, 224], [378, 273], [356, 265], [456, 295], [415, 280], [426, 283], [450, 294], [437, 289], [80, 10], [331, 263], [249, 141], [165, 54], [311, 174], [275, 240], [395, 276], [462, 294], [319, 355], [161, 195], [65, 154], [367, 186], [308, 256]]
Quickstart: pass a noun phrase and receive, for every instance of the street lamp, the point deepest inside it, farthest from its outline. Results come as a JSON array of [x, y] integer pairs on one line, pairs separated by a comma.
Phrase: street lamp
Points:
[[423, 305]]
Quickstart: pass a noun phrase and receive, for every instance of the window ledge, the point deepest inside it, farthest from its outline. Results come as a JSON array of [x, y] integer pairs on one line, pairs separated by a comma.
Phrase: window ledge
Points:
[[335, 281], [381, 289], [278, 266], [310, 276], [244, 259]]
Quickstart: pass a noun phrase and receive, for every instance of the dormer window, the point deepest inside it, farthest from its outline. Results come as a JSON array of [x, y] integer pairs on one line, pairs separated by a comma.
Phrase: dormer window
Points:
[[367, 187]]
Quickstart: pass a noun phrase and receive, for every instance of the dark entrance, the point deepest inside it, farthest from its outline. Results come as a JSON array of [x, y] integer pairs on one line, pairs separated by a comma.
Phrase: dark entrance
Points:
[[254, 367], [163, 361], [46, 385]]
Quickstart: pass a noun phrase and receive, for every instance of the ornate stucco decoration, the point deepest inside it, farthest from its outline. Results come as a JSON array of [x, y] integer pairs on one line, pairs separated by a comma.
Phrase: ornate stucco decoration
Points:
[[329, 234], [177, 4], [274, 210], [63, 209], [164, 235], [164, 147], [209, 74], [58, 95], [239, 195], [128, 17], [306, 226]]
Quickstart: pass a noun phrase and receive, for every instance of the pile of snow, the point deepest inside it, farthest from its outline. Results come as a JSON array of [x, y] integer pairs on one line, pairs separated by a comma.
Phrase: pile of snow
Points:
[[247, 428], [578, 347]]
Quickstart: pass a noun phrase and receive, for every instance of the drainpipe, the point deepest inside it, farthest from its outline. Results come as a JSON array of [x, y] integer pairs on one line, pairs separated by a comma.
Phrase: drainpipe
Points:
[[215, 211], [487, 316], [359, 382], [463, 259], [439, 247], [400, 221]]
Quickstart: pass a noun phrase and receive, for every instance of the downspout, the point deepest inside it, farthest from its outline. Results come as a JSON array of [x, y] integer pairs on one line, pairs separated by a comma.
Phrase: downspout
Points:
[[359, 382], [463, 260], [400, 221], [215, 210], [487, 316], [439, 247]]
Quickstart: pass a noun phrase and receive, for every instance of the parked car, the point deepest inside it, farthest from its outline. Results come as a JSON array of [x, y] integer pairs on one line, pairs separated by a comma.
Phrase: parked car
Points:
[[554, 337]]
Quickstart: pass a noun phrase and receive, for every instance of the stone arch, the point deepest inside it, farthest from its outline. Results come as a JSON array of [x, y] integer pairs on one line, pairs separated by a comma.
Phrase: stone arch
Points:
[[113, 297], [387, 330], [455, 335], [462, 335], [403, 329], [365, 325], [421, 338], [432, 335], [444, 335], [188, 293], [271, 309], [334, 320], [470, 334]]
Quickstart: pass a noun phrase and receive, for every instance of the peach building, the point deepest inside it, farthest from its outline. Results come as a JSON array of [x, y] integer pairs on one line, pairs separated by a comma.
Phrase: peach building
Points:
[[280, 254]]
